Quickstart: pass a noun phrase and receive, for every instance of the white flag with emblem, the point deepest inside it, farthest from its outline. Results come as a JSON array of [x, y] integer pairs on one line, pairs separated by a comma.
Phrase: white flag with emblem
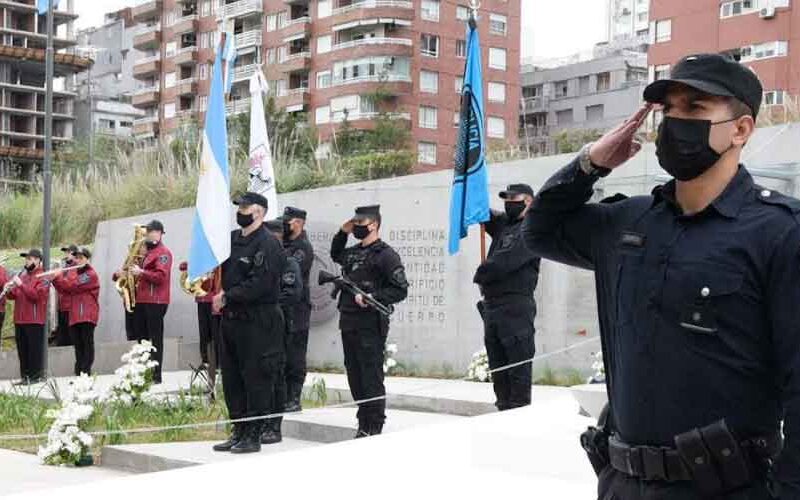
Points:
[[262, 174]]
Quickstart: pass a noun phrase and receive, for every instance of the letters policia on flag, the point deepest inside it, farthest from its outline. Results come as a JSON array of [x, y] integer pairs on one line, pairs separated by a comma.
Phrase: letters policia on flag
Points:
[[469, 203], [211, 230]]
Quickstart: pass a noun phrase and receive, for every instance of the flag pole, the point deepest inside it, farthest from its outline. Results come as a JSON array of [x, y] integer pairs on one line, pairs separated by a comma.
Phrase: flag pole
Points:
[[473, 22]]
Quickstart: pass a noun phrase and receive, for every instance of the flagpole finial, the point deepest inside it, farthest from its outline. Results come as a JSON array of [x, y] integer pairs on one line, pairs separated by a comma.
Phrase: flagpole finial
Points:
[[474, 5]]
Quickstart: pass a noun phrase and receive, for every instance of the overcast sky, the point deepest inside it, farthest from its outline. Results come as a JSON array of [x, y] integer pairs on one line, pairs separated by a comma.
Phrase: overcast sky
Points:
[[549, 28]]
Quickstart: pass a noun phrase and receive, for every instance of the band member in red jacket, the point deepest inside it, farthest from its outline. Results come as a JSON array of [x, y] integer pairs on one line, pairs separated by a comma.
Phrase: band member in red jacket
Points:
[[152, 293], [3, 280], [207, 321], [82, 286], [62, 337], [29, 292]]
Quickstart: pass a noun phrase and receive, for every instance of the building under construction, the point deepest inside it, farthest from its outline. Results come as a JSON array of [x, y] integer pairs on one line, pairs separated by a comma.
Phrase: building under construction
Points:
[[23, 43]]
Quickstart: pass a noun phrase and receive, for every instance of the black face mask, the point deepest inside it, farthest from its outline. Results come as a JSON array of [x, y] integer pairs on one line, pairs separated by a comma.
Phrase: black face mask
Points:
[[151, 244], [244, 220], [361, 232], [683, 149], [514, 209]]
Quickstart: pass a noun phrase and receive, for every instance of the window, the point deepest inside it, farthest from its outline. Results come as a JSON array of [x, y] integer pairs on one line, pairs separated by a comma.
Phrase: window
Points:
[[324, 8], [429, 45], [203, 102], [125, 124], [764, 51], [663, 30], [774, 97], [561, 88], [169, 80], [203, 71], [737, 8], [462, 13], [429, 81], [272, 22], [271, 55], [169, 110], [323, 44], [662, 72], [427, 117], [603, 81], [564, 117], [495, 127], [497, 58], [459, 84], [497, 92], [322, 114], [206, 8], [594, 113], [323, 79], [461, 48], [172, 47], [456, 118], [498, 24], [430, 10], [641, 17], [426, 153], [583, 85]]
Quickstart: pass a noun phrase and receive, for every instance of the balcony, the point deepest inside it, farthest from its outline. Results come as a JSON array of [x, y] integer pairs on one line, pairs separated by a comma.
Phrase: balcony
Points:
[[248, 38], [147, 66], [146, 96], [238, 106], [241, 8], [148, 37], [397, 47], [244, 72], [185, 24], [147, 10], [399, 9], [186, 55], [296, 2], [295, 62], [187, 86], [532, 131], [394, 85], [534, 104], [296, 28], [145, 127], [293, 98], [186, 114]]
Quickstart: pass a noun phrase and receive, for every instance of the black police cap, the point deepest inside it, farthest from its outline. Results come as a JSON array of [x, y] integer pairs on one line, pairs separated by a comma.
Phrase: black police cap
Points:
[[70, 248], [515, 189], [713, 74], [33, 252], [367, 212], [274, 225], [294, 213], [155, 225], [250, 198]]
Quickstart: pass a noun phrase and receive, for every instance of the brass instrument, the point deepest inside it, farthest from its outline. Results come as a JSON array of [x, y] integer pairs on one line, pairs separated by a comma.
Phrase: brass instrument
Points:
[[193, 287], [126, 283]]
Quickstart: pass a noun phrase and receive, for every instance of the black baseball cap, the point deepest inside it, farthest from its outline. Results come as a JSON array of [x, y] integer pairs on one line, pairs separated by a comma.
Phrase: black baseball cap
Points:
[[294, 213], [33, 252], [83, 251], [275, 225], [515, 189], [713, 74], [155, 225], [367, 212], [250, 198], [70, 248]]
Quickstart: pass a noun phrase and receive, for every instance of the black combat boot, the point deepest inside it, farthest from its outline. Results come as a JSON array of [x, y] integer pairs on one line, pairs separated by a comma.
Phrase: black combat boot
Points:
[[272, 431], [233, 440], [251, 439]]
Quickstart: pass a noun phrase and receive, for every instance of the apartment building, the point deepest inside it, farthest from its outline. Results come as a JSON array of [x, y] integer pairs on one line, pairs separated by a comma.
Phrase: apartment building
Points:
[[22, 84], [326, 57]]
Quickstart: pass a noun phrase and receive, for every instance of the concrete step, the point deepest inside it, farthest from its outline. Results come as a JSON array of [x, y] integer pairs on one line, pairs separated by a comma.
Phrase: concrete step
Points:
[[155, 457]]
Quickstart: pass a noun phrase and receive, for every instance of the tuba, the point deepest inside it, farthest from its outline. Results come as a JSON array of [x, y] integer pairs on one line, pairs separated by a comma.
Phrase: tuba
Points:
[[197, 287], [126, 283]]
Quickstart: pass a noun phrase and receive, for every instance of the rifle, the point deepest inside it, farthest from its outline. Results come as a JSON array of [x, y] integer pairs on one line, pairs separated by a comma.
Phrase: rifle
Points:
[[342, 283]]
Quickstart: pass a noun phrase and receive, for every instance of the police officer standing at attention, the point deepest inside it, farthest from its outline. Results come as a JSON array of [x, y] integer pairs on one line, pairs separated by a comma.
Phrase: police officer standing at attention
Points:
[[297, 246], [507, 281], [376, 268], [252, 325], [698, 289]]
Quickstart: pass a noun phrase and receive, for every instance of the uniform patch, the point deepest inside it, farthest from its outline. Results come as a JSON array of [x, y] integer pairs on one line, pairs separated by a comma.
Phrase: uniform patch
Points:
[[83, 278], [258, 259], [299, 255], [163, 259], [289, 278], [399, 277], [632, 239]]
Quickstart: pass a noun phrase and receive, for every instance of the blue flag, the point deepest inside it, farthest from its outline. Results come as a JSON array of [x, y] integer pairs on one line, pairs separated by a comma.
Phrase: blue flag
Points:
[[469, 202], [43, 5]]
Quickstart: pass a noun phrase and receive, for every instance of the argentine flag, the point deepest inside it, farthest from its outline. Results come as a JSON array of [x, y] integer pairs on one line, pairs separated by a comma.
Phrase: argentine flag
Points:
[[229, 55], [211, 230]]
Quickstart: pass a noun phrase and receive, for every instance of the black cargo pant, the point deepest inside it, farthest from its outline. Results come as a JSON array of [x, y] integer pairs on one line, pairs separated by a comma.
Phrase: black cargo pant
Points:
[[30, 349], [148, 322], [615, 485], [509, 339], [63, 337], [205, 323], [363, 340], [82, 335], [296, 349], [252, 362]]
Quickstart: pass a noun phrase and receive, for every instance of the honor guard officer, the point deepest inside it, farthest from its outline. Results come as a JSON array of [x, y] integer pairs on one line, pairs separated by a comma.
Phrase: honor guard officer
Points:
[[299, 248], [376, 268], [153, 293], [698, 292], [507, 281], [252, 326]]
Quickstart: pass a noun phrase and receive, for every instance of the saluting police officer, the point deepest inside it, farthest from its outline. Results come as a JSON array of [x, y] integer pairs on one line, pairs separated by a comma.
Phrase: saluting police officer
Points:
[[252, 325], [507, 281], [698, 289], [376, 268], [297, 246]]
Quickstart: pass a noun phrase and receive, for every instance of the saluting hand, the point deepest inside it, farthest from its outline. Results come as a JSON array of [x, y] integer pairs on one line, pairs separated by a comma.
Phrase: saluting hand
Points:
[[618, 145], [347, 227]]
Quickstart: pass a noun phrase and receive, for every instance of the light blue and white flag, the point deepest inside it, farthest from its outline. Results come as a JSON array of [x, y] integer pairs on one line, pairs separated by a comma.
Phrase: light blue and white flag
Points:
[[43, 5], [229, 54], [211, 231]]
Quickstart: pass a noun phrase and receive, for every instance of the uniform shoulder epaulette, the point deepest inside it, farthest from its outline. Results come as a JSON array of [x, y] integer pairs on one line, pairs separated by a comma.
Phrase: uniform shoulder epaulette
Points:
[[614, 198], [776, 198]]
